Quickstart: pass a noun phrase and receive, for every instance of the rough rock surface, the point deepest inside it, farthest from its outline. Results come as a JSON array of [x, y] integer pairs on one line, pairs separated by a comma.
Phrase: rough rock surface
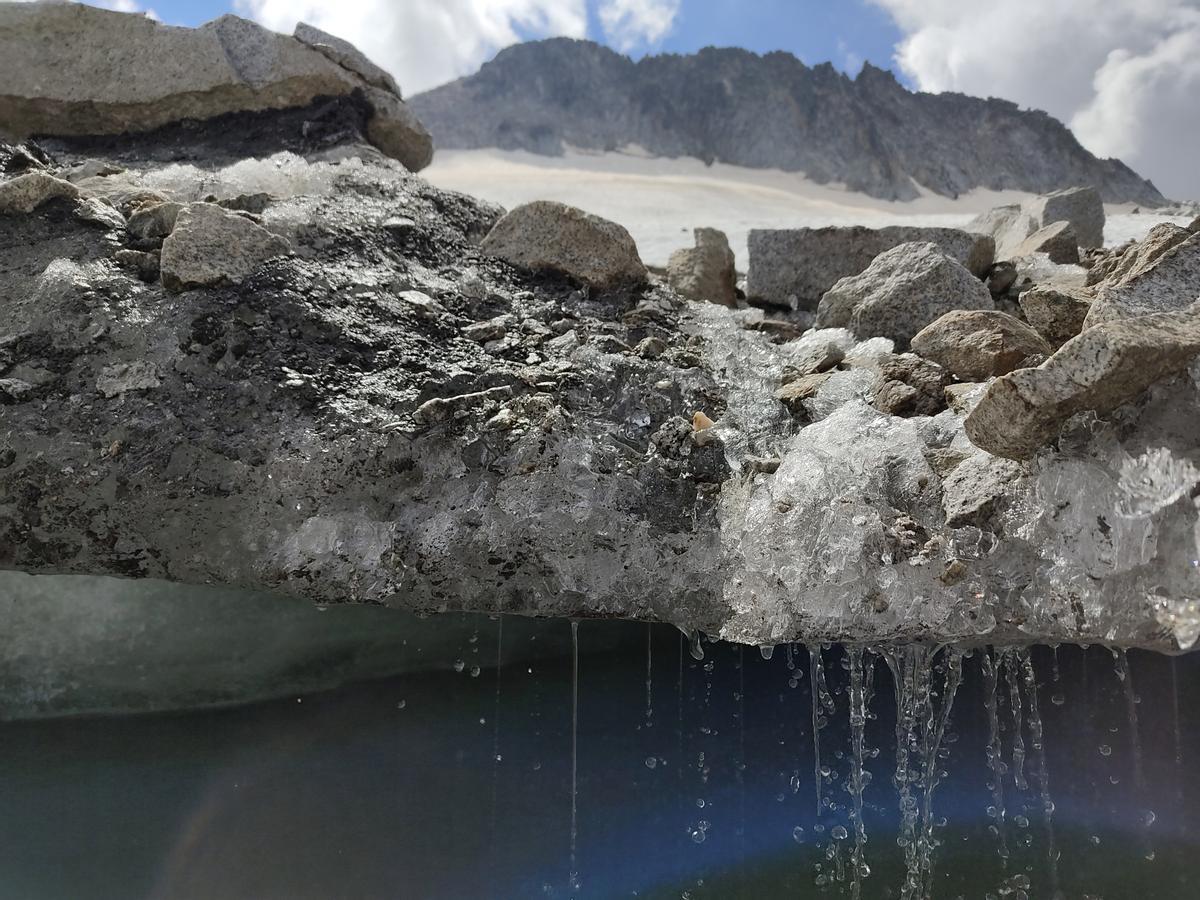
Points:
[[706, 271], [900, 292], [71, 69], [978, 344], [768, 111], [210, 246], [793, 268], [554, 237], [1170, 281], [1056, 315], [1057, 240], [1136, 257], [1104, 367], [1012, 225], [391, 415], [27, 192]]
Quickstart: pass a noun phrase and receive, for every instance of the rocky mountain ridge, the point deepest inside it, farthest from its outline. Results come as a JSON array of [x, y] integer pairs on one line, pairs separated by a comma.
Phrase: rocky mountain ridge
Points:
[[769, 111]]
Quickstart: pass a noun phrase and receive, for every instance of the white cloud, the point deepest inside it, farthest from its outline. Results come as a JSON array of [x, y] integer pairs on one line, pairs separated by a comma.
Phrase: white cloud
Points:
[[425, 43], [630, 23], [125, 6], [1124, 74]]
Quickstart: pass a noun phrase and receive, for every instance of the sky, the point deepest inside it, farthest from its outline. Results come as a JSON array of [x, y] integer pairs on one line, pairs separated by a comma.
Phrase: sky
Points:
[[1123, 74]]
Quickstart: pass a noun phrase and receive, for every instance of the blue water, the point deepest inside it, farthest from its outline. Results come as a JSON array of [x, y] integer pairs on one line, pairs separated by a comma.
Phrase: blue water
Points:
[[447, 784]]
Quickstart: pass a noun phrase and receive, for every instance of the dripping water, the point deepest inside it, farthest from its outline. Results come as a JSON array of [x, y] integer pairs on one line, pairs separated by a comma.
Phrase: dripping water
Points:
[[573, 883], [994, 759], [496, 733], [1041, 772], [649, 674], [858, 776], [821, 699], [1135, 743], [931, 773]]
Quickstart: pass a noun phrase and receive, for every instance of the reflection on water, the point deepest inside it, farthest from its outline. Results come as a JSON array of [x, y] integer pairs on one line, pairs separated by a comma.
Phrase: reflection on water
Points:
[[704, 778]]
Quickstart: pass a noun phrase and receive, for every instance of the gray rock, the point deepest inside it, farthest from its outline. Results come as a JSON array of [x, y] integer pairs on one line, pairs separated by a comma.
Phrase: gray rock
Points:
[[1057, 240], [1082, 207], [144, 264], [153, 222], [1104, 367], [978, 344], [1013, 224], [909, 385], [818, 350], [345, 55], [902, 291], [1157, 283], [1131, 259], [545, 235], [804, 387], [121, 378], [706, 271], [210, 246], [99, 213], [71, 69], [1056, 315], [793, 268], [27, 192], [975, 488]]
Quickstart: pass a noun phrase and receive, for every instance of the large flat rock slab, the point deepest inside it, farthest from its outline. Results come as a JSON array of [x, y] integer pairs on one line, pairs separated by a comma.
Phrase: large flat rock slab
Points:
[[67, 69]]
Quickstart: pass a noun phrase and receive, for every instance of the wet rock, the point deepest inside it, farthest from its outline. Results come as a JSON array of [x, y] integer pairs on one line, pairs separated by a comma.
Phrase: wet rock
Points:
[[210, 246], [549, 236], [1057, 240], [27, 192], [1106, 366], [1056, 315], [818, 350], [144, 264], [122, 378], [99, 213], [1171, 281], [973, 490], [978, 344], [153, 222], [902, 291], [795, 392], [72, 69], [909, 385], [706, 271], [794, 268]]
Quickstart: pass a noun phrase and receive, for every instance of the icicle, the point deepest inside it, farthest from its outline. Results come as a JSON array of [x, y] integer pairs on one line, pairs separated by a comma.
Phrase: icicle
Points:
[[994, 760], [931, 775], [697, 649], [766, 651], [1009, 660], [573, 883], [858, 777], [1041, 773]]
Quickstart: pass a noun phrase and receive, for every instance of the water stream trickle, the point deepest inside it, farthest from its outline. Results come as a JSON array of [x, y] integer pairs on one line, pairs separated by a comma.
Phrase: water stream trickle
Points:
[[573, 881]]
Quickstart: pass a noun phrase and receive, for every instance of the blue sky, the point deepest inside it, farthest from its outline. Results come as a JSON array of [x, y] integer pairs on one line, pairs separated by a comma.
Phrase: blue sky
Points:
[[1127, 86], [844, 33]]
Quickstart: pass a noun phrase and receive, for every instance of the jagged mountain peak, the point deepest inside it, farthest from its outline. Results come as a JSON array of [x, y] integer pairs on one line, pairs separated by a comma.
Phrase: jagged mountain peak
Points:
[[767, 111]]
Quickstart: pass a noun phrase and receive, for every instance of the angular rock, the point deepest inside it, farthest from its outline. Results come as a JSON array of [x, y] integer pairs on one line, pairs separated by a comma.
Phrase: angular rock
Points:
[[27, 192], [818, 350], [71, 69], [1104, 367], [974, 488], [210, 246], [795, 392], [909, 385], [1056, 315], [902, 291], [1082, 207], [793, 268], [99, 213], [1012, 224], [152, 223], [706, 271], [1136, 257], [1057, 240], [1170, 282], [550, 236], [978, 344]]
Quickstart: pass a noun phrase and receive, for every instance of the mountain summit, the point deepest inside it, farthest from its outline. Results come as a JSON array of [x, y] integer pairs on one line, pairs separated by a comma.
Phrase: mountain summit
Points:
[[771, 111]]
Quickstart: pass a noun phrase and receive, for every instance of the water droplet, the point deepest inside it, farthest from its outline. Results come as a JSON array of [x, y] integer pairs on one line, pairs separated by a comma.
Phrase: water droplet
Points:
[[459, 665], [1058, 699], [651, 762], [402, 704], [798, 835], [1105, 750], [1148, 818], [767, 650], [474, 671], [839, 833], [700, 803]]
